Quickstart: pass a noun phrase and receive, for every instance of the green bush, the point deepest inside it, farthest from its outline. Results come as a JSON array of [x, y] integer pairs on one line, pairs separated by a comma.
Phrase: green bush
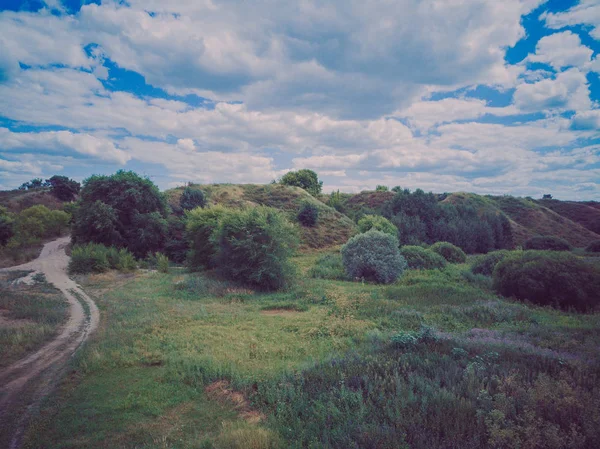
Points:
[[308, 214], [373, 256], [39, 222], [255, 246], [448, 251], [124, 210], [176, 248], [6, 226], [200, 225], [63, 188], [329, 266], [192, 198], [549, 243], [97, 258], [486, 263], [306, 179], [419, 258], [162, 263], [378, 223], [594, 247], [549, 278]]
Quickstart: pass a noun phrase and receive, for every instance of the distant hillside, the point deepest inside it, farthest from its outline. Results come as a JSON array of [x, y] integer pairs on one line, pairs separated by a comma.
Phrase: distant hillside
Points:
[[333, 228], [17, 200], [534, 218], [586, 214]]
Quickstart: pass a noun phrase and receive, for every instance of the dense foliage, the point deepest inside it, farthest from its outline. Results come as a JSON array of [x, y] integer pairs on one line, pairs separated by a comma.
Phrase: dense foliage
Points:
[[39, 222], [200, 226], [373, 256], [122, 210], [63, 188], [419, 258], [176, 247], [549, 278], [306, 179], [486, 263], [192, 198], [308, 215], [450, 252], [6, 226], [254, 247], [329, 266], [35, 183], [549, 243], [420, 217], [594, 247], [378, 223], [97, 258]]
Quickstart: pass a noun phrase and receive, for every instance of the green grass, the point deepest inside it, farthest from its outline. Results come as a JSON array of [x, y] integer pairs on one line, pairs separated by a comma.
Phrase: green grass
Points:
[[31, 315], [318, 362]]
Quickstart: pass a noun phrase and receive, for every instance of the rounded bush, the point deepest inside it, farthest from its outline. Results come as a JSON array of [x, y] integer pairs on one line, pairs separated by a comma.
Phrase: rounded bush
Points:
[[448, 251], [419, 258], [549, 278], [192, 198], [594, 247], [255, 246], [486, 263], [200, 226], [378, 223], [548, 242], [308, 214], [373, 256]]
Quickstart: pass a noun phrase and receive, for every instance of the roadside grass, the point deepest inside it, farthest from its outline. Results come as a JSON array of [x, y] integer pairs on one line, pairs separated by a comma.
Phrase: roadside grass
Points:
[[323, 371], [30, 315]]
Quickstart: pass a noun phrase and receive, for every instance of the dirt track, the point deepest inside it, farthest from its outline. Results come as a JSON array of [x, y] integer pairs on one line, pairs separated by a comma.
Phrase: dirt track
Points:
[[26, 382]]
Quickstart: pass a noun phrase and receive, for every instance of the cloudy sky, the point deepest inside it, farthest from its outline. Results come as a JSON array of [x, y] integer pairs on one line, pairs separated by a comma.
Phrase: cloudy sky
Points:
[[448, 95]]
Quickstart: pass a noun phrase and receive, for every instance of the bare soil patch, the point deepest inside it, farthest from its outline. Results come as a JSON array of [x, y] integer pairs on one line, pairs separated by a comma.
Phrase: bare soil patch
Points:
[[222, 392]]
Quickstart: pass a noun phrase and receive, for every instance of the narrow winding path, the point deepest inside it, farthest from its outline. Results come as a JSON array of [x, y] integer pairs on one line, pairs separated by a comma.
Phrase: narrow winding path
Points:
[[26, 382]]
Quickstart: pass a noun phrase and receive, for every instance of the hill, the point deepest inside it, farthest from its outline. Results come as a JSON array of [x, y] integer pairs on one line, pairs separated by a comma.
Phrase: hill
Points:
[[18, 200], [333, 228], [586, 214]]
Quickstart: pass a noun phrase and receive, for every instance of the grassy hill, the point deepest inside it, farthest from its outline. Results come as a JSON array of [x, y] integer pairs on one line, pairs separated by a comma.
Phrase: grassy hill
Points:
[[586, 214], [17, 200], [333, 228]]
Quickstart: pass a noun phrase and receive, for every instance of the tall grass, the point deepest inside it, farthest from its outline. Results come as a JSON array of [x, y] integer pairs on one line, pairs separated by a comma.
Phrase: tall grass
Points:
[[97, 258]]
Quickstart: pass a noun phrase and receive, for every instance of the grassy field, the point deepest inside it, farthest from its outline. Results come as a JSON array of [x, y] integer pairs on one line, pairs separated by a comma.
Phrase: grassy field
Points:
[[29, 315], [433, 361]]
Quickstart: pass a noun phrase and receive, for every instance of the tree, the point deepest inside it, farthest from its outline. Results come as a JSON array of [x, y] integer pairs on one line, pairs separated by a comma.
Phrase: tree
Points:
[[381, 188], [63, 188], [35, 183], [378, 223], [6, 226], [306, 179], [124, 210], [308, 215], [192, 198], [547, 196]]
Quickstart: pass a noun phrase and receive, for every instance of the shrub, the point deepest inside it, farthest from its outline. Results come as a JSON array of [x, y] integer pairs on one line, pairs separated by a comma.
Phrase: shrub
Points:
[[549, 278], [308, 214], [90, 258], [486, 263], [419, 258], [177, 246], [549, 243], [38, 222], [63, 188], [200, 225], [373, 256], [124, 210], [162, 263], [192, 198], [254, 247], [6, 226], [378, 223], [594, 247], [448, 251], [306, 179], [329, 266]]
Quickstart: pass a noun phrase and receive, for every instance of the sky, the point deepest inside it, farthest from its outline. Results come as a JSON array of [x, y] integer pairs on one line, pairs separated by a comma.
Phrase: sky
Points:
[[486, 96]]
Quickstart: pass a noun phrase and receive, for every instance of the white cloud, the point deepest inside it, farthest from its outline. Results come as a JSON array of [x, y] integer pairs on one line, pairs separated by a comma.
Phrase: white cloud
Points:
[[585, 12], [562, 50], [62, 141], [567, 91]]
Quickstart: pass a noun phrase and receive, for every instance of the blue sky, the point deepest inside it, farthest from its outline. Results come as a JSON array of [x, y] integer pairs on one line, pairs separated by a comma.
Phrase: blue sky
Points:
[[478, 95]]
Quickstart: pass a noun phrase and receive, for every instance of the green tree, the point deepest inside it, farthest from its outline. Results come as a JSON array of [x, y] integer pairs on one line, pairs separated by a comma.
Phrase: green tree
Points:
[[63, 188], [200, 226], [308, 215], [130, 211], [378, 223], [306, 179], [192, 198], [6, 226]]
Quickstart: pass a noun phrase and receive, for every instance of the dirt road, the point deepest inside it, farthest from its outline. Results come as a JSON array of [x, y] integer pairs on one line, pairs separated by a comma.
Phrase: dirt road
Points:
[[25, 383]]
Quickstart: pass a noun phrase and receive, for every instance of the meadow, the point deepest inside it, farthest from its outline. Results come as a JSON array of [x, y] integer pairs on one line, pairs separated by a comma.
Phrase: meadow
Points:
[[434, 360]]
